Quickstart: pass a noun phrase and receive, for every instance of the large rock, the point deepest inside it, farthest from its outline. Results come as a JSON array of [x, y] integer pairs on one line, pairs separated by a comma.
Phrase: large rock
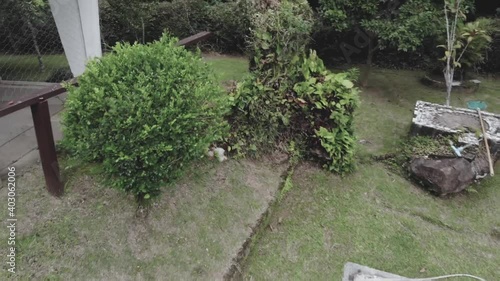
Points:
[[495, 151], [444, 176]]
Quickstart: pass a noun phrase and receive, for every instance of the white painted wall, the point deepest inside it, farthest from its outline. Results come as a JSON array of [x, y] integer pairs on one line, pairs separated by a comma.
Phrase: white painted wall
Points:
[[77, 22]]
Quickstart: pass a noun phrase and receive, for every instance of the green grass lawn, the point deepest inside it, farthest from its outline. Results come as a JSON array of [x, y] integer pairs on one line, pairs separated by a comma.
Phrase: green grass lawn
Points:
[[372, 216], [387, 105], [375, 217], [228, 68], [192, 231], [26, 67]]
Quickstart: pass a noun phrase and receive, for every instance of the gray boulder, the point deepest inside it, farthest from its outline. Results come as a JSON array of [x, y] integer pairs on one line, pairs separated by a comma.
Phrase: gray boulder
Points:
[[444, 176]]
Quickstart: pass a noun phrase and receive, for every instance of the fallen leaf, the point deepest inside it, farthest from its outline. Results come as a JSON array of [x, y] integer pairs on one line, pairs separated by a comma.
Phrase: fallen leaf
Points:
[[271, 227]]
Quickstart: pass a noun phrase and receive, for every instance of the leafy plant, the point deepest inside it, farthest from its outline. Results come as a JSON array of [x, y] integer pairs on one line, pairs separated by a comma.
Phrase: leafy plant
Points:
[[479, 33], [292, 163], [144, 111], [291, 96]]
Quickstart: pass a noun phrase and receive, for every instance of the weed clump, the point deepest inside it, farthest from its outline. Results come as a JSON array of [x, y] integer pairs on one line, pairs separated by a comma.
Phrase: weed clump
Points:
[[414, 147]]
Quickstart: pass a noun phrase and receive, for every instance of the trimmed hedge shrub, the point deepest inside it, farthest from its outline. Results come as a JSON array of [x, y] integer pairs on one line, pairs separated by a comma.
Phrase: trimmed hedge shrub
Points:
[[144, 111]]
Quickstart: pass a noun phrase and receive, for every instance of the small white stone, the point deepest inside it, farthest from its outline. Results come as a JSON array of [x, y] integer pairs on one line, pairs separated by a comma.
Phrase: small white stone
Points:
[[219, 153]]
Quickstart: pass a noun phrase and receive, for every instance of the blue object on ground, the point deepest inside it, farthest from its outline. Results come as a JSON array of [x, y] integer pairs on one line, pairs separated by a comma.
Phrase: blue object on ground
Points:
[[458, 150], [476, 104]]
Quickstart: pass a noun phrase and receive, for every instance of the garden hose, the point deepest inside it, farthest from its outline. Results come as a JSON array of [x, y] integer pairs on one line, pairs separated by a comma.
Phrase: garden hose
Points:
[[375, 278]]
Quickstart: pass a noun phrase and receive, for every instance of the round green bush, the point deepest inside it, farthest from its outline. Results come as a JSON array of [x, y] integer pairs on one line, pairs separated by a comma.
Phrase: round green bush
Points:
[[144, 111]]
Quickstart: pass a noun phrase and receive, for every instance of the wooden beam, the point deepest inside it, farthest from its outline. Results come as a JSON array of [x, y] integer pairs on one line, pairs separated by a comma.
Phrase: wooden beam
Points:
[[47, 148], [194, 38], [490, 161], [36, 97]]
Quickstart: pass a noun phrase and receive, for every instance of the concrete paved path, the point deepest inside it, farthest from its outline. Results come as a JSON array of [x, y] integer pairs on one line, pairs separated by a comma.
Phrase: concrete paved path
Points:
[[18, 145]]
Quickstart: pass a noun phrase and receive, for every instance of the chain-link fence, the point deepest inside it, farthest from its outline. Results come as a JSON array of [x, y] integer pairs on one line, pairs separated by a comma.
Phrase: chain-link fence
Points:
[[30, 43], [30, 46]]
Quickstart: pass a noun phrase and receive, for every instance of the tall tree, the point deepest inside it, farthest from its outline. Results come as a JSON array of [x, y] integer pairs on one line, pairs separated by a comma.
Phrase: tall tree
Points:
[[402, 24]]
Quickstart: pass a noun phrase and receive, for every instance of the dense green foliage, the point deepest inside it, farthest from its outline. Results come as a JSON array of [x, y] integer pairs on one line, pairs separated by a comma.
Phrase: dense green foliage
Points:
[[291, 96], [478, 34], [381, 24], [403, 25], [144, 111], [395, 34], [127, 21], [493, 54], [147, 20]]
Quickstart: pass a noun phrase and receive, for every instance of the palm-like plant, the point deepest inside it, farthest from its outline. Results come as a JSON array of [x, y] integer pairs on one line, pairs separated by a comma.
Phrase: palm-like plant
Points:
[[476, 38]]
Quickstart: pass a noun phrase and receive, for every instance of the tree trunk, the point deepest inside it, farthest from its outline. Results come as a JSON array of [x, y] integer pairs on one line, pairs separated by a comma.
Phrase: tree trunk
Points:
[[35, 43], [448, 76], [12, 42], [143, 31], [369, 61]]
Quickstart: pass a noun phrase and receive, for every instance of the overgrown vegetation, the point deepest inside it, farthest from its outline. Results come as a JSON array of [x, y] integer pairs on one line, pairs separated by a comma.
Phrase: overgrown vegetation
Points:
[[393, 34], [146, 20], [144, 112], [291, 96], [325, 219], [419, 146]]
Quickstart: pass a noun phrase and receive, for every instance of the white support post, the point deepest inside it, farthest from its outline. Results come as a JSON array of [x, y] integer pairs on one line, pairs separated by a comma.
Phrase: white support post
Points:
[[77, 22]]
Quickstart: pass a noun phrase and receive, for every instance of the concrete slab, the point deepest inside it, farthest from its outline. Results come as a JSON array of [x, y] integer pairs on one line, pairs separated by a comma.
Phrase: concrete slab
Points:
[[434, 119], [17, 135], [21, 145], [10, 90], [18, 122], [357, 272]]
